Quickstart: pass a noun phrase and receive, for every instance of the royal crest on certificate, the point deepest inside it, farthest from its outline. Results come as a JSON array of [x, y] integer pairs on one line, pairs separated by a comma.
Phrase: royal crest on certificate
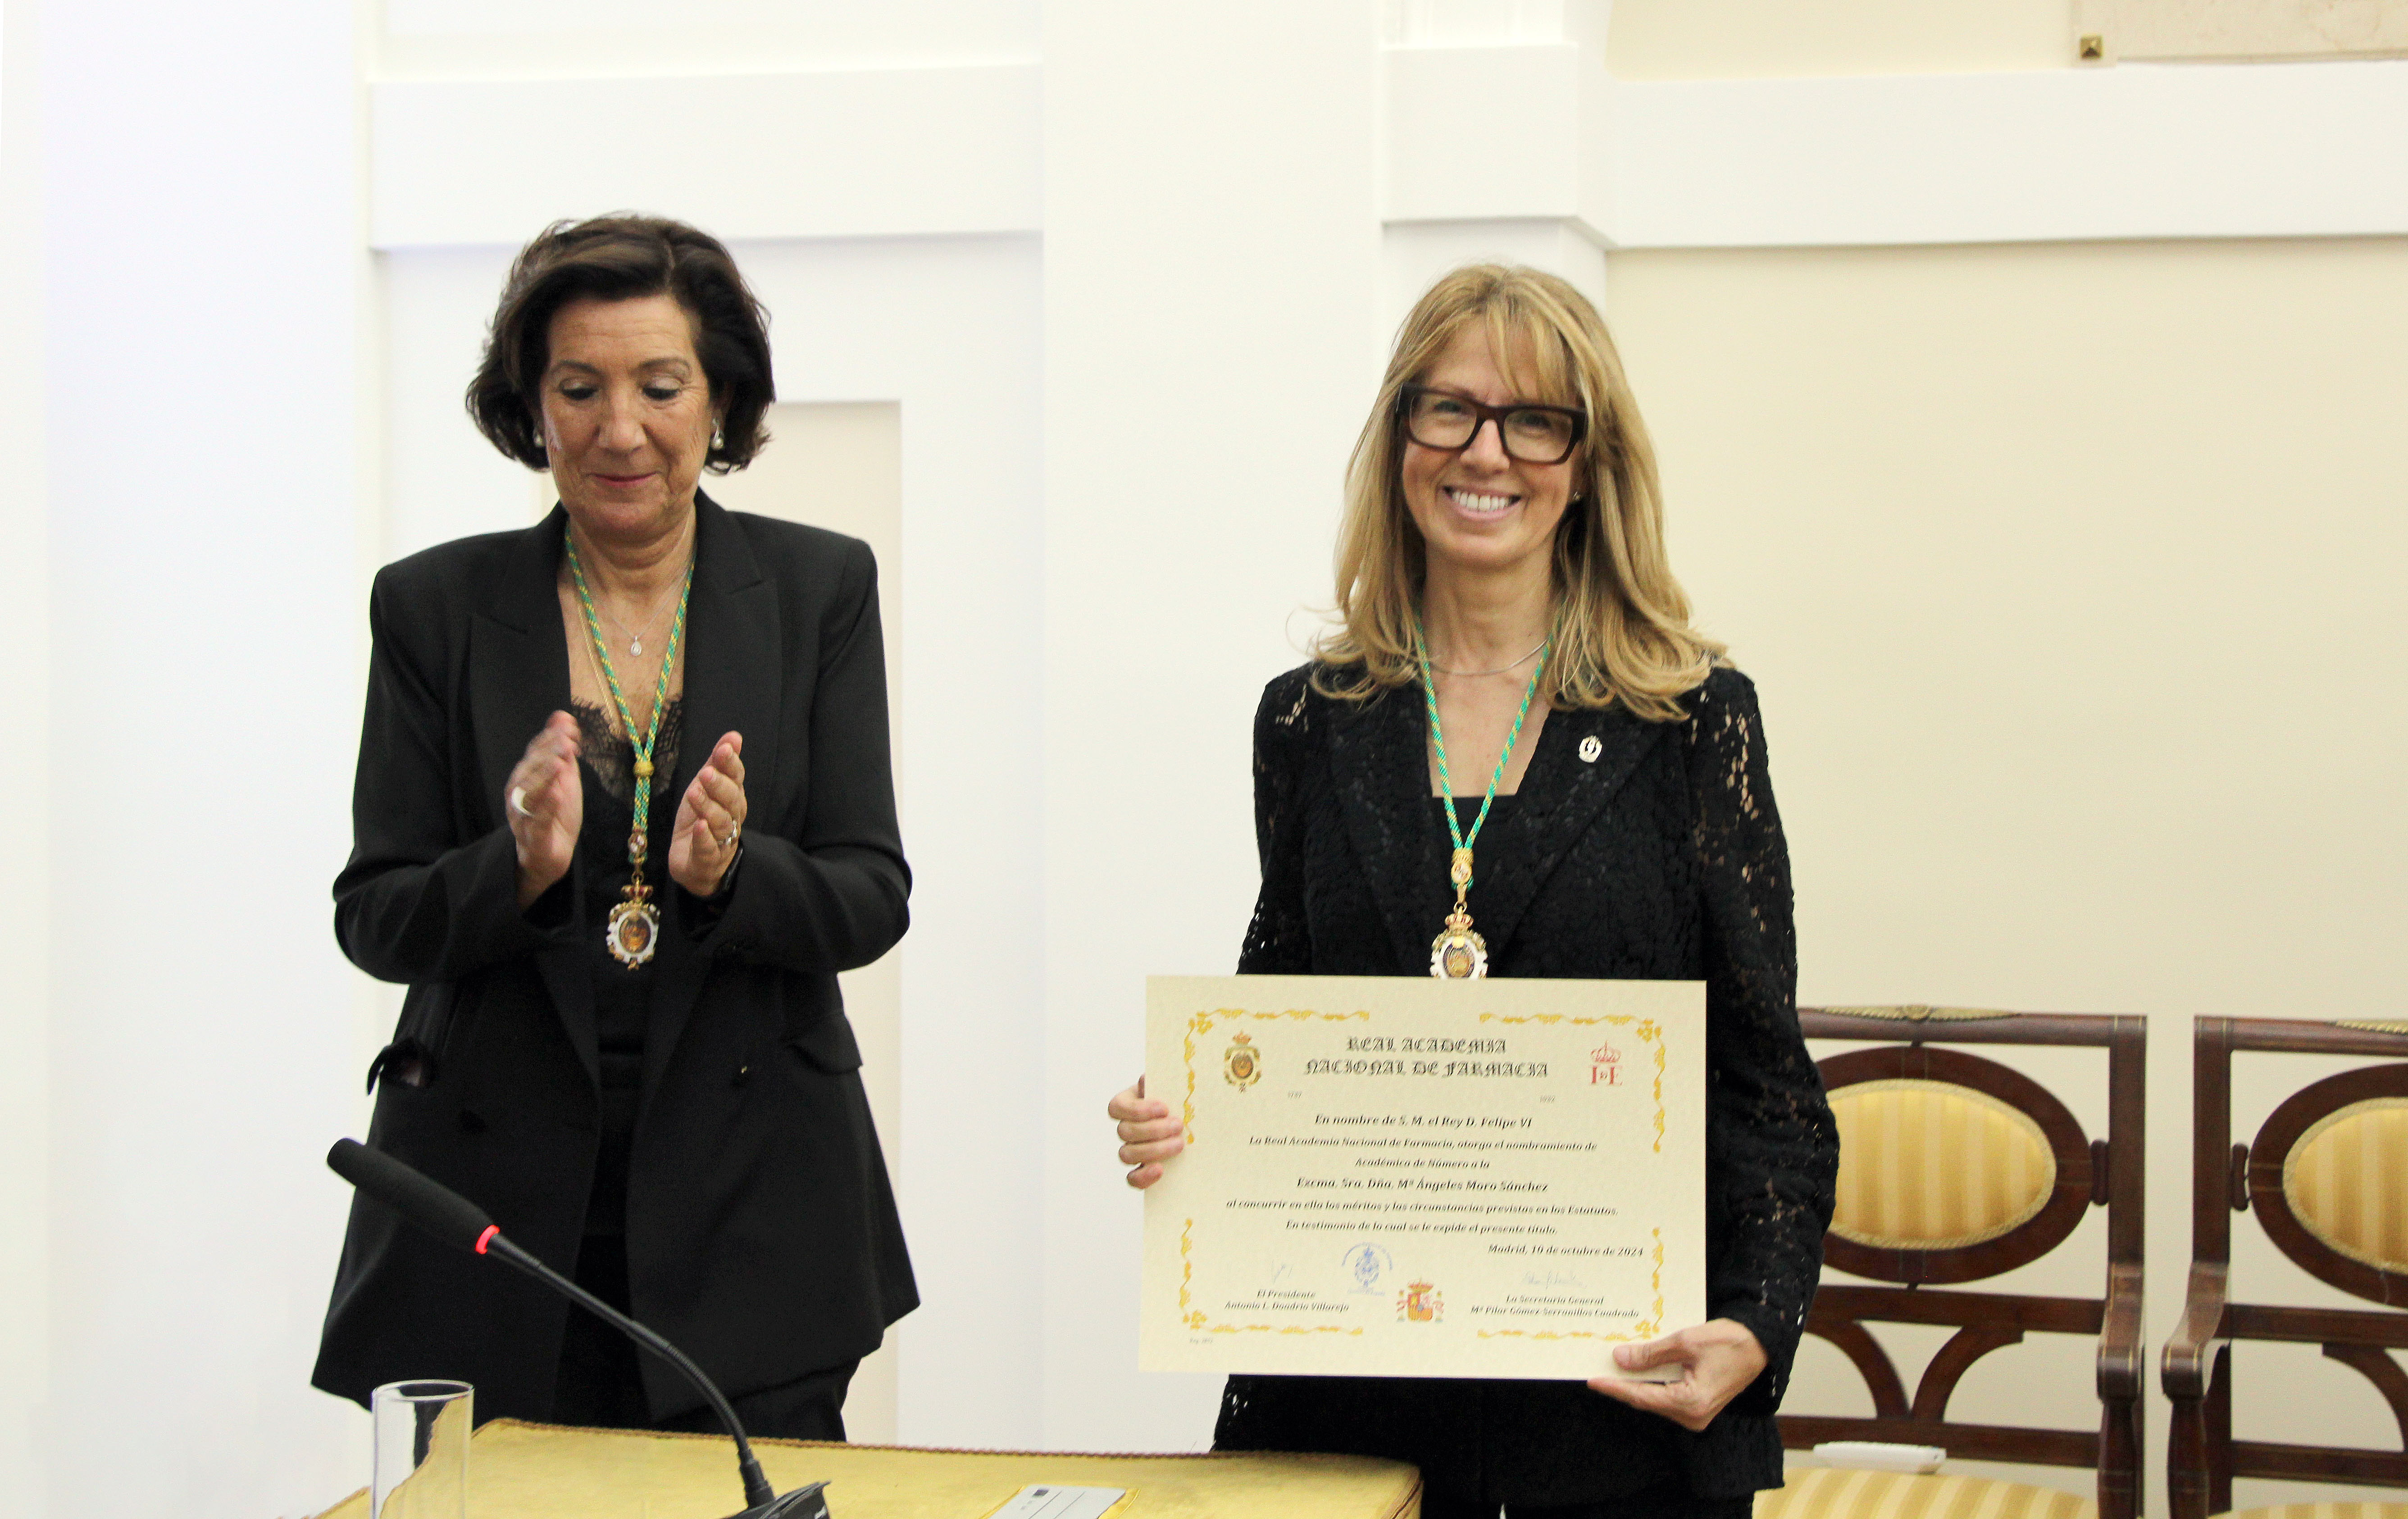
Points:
[[1393, 1176]]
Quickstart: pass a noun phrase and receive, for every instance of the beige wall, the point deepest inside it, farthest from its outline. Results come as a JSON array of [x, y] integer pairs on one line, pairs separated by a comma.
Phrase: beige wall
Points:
[[2070, 577]]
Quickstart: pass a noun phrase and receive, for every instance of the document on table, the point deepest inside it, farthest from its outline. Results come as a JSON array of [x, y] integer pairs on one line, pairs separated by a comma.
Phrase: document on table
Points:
[[1400, 1176]]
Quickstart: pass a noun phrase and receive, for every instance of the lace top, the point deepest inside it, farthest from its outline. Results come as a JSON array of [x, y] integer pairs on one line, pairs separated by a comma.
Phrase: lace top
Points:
[[1655, 852]]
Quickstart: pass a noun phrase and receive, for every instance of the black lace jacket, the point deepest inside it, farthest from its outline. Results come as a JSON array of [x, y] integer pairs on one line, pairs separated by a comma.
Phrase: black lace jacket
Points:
[[1653, 853]]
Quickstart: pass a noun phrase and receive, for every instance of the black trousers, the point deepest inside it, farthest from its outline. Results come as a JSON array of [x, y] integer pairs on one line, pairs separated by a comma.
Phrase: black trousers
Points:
[[599, 1386]]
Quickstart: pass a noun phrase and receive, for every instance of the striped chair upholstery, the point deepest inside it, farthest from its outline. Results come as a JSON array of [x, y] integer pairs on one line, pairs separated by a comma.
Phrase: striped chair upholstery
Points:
[[1955, 1169], [1836, 1492], [2347, 1181], [1930, 1164], [2325, 1178]]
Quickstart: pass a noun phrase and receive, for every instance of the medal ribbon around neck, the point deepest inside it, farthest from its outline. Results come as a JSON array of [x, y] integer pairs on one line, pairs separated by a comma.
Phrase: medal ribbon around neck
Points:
[[1459, 953], [634, 927]]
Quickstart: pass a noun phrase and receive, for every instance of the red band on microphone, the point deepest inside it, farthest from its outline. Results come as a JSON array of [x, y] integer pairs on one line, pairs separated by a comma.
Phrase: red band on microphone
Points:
[[487, 1238]]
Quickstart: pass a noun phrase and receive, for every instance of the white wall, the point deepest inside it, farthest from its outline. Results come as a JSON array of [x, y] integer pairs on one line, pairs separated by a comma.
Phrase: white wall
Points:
[[246, 413], [200, 231], [24, 771], [1211, 325]]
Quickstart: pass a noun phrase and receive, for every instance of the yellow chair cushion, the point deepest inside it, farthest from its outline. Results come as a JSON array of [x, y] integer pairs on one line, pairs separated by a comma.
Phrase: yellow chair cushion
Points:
[[1838, 1493], [1934, 1166], [2347, 1179], [2324, 1510]]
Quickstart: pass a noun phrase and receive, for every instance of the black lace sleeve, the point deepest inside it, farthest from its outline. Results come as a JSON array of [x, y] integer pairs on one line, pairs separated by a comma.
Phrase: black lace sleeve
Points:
[[1278, 941], [1772, 1145]]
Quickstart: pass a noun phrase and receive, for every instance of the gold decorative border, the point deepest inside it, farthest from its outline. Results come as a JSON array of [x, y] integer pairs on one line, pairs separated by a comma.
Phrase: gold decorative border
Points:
[[1647, 1031], [1198, 1025], [1195, 1318], [1202, 1023], [1646, 1330]]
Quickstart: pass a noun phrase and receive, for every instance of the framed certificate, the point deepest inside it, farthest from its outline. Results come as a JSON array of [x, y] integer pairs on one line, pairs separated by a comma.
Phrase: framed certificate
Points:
[[1392, 1175]]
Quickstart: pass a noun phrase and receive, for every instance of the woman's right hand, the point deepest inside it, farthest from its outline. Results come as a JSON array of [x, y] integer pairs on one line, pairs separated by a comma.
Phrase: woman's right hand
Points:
[[545, 803], [1149, 1135]]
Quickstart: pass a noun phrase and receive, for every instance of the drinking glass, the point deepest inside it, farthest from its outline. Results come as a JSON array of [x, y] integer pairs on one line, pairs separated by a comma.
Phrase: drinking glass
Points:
[[421, 1450]]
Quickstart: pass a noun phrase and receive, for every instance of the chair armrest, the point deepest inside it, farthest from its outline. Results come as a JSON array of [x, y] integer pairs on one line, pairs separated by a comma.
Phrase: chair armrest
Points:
[[2119, 1337], [2192, 1344]]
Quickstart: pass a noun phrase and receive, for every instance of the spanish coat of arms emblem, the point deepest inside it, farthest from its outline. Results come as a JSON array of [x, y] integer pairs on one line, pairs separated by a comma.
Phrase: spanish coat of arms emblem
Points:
[[1242, 1066], [1420, 1302]]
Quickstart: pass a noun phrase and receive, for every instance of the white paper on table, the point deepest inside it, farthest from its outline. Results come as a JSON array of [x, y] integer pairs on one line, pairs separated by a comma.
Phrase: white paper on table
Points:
[[1051, 1500], [1401, 1176]]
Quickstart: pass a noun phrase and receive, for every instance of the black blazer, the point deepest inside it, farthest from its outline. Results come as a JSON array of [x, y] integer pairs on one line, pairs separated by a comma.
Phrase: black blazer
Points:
[[1634, 850], [762, 1235]]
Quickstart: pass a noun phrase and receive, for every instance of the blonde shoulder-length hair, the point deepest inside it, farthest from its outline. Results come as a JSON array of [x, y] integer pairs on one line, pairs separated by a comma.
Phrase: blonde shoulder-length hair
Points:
[[1622, 621]]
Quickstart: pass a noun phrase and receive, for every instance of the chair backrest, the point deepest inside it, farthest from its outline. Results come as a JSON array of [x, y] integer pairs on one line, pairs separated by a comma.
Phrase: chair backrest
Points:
[[2327, 1175], [1955, 1168]]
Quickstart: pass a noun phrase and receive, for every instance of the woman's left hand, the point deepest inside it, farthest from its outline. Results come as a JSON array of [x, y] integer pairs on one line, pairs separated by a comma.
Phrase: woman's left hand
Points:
[[1717, 1361], [709, 819]]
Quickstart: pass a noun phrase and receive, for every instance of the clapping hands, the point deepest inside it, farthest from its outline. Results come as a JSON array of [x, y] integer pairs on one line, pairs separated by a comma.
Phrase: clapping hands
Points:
[[544, 800], [710, 820]]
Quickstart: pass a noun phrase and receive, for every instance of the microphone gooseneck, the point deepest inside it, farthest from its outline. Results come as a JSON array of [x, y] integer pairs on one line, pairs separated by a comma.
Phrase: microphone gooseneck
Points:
[[448, 1216], [757, 1490]]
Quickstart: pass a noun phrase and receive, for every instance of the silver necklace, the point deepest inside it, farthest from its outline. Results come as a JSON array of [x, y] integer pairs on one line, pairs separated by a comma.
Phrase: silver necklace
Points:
[[1499, 669], [636, 641]]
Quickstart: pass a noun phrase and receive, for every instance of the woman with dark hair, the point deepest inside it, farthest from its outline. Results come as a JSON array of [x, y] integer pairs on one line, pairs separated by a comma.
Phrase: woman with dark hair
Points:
[[622, 811], [1504, 597]]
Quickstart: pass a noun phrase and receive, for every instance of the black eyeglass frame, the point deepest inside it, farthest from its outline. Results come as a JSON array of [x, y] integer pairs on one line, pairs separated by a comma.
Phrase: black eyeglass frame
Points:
[[1482, 415]]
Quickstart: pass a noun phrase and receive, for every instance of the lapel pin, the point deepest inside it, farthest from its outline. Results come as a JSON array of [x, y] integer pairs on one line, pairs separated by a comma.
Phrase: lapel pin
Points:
[[1590, 749]]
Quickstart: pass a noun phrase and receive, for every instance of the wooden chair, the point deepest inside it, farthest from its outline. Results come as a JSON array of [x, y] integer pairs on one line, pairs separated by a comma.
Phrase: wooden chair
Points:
[[2327, 1177], [1987, 1171]]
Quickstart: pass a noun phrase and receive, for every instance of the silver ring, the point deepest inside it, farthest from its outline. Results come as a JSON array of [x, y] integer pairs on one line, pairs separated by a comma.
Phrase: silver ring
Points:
[[728, 843], [518, 802]]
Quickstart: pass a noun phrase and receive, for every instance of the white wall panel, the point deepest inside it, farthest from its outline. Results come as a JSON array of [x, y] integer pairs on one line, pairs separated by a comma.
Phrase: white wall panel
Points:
[[1212, 341], [1452, 154], [24, 773], [843, 29], [834, 154], [202, 246], [839, 466], [948, 330], [1414, 253], [442, 480]]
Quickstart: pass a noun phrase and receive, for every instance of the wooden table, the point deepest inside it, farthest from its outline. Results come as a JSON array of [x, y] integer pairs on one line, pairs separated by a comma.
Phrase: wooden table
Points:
[[541, 1472]]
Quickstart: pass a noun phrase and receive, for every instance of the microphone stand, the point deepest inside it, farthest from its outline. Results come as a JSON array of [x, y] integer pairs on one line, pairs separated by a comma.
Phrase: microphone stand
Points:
[[763, 1501], [428, 1205]]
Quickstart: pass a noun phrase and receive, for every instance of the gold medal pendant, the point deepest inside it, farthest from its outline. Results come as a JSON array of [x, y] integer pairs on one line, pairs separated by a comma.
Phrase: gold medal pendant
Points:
[[1459, 953], [633, 929]]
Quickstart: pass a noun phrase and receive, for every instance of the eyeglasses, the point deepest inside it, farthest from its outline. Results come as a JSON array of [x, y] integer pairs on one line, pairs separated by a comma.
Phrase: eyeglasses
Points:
[[1534, 434]]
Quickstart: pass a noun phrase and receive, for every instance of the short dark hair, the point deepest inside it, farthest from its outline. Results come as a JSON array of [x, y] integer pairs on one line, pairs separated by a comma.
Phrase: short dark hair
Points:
[[616, 258]]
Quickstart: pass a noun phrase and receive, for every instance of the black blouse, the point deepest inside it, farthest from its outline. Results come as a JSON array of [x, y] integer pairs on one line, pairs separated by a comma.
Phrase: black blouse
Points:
[[1633, 849]]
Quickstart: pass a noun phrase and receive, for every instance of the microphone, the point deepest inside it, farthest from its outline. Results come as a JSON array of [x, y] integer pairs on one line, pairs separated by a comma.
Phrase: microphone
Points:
[[448, 1216]]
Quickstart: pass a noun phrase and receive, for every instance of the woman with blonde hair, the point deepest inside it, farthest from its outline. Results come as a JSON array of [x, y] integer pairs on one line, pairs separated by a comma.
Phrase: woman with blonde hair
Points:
[[1504, 607]]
